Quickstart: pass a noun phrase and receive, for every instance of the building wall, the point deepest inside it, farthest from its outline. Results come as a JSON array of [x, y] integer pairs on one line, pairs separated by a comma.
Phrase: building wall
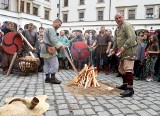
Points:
[[90, 14], [22, 18], [110, 9]]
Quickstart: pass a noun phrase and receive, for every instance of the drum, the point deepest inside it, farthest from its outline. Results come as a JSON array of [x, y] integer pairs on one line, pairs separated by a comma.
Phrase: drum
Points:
[[80, 51], [12, 42]]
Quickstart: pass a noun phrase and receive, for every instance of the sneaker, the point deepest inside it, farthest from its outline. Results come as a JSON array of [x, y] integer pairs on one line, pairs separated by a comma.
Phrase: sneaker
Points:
[[149, 79]]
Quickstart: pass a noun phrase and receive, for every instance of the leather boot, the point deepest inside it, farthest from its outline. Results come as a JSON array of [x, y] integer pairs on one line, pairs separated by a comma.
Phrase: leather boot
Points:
[[4, 69], [107, 70], [122, 87], [54, 80], [128, 93], [47, 80]]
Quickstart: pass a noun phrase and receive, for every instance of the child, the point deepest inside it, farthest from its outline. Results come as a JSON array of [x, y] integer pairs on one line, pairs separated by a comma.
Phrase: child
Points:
[[140, 57], [153, 51]]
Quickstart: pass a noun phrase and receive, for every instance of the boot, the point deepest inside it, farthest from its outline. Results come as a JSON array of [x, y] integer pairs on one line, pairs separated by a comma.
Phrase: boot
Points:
[[107, 70], [54, 80], [47, 80], [128, 93], [122, 87], [4, 69]]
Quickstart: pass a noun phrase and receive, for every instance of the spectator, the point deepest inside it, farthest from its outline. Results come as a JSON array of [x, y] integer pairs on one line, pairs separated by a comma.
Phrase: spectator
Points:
[[61, 56], [40, 33], [152, 55], [77, 38], [157, 65], [103, 44], [139, 60], [32, 38]]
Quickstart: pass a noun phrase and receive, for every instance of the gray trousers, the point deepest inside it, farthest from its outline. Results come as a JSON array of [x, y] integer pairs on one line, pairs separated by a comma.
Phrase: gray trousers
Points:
[[51, 65]]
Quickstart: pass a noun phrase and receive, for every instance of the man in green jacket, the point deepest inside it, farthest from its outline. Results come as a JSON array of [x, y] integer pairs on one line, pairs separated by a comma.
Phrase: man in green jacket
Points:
[[48, 52], [125, 46]]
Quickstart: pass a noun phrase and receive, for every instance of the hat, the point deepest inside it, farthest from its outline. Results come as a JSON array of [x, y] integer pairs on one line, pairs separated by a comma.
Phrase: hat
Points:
[[18, 108]]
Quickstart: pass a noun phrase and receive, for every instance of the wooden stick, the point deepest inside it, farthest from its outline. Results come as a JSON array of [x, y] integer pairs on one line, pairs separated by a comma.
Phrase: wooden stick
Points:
[[11, 65], [26, 40], [32, 54], [65, 52]]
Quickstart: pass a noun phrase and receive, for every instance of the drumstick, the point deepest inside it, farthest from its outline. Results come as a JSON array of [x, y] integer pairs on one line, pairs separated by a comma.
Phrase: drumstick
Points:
[[65, 52], [32, 54], [26, 41], [11, 65]]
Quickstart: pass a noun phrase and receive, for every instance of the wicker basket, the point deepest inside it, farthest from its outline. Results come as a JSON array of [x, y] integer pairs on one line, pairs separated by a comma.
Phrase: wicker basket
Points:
[[28, 65]]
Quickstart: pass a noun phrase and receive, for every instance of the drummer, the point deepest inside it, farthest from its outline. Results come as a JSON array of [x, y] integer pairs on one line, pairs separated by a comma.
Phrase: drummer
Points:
[[7, 58]]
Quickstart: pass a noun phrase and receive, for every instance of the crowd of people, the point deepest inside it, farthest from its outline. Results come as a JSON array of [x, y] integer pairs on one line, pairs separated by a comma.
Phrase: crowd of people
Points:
[[146, 64], [132, 55]]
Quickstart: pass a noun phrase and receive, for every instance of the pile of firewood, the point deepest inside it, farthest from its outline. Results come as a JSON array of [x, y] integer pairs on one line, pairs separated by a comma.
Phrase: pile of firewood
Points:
[[87, 77]]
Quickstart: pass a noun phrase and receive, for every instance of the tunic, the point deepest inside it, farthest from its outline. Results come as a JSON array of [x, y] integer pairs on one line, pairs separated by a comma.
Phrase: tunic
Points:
[[102, 43], [125, 37], [32, 38], [49, 38]]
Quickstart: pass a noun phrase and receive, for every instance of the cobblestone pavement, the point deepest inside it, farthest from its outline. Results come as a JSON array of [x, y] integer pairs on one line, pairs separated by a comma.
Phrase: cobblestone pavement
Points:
[[145, 102]]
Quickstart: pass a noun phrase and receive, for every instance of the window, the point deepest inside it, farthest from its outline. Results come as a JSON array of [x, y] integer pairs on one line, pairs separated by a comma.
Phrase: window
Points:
[[46, 16], [5, 4], [81, 16], [28, 8], [57, 5], [81, 2], [65, 3], [57, 15], [100, 1], [131, 14], [100, 15], [121, 12], [65, 17], [35, 11], [22, 6], [149, 13]]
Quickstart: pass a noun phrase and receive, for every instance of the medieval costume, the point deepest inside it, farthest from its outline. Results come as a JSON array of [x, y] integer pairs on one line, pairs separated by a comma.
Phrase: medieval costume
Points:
[[103, 43], [49, 53], [125, 38], [32, 38], [6, 58]]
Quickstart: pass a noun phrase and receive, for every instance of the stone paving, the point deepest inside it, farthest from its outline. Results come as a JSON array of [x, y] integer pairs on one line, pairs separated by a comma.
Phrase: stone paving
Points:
[[145, 102]]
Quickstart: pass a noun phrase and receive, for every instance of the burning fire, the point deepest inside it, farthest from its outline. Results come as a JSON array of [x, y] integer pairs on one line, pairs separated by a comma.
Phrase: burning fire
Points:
[[87, 77]]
